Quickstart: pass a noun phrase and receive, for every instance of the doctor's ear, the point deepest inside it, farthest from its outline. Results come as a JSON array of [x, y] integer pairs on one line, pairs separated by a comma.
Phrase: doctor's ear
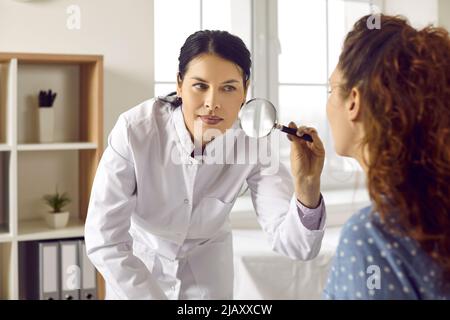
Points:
[[179, 84], [247, 85]]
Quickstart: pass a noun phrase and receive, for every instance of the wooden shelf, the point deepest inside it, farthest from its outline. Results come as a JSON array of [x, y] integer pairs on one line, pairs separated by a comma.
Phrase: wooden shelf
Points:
[[5, 236], [7, 268], [45, 58], [4, 147], [37, 229], [56, 146], [31, 169]]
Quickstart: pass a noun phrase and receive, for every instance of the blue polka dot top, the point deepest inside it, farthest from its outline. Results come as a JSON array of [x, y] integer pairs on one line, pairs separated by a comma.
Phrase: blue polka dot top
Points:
[[372, 262]]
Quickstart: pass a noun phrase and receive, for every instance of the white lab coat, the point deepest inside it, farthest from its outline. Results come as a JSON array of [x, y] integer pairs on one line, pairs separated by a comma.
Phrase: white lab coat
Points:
[[158, 228]]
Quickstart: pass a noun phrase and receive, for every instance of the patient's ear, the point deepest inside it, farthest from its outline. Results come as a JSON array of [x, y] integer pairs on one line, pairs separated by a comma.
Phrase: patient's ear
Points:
[[352, 105]]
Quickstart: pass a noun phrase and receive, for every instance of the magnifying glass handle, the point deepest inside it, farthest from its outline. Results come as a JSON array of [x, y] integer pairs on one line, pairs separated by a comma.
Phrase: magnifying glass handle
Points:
[[293, 131]]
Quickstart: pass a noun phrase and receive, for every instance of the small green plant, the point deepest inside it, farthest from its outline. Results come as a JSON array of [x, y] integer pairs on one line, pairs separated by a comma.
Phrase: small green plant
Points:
[[57, 201]]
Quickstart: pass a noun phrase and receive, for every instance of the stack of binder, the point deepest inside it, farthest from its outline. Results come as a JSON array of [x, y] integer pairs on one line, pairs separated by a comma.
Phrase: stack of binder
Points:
[[56, 270]]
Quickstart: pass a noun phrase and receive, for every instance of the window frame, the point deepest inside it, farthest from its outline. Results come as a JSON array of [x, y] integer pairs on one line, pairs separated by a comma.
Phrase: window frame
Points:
[[266, 84], [265, 48], [201, 27]]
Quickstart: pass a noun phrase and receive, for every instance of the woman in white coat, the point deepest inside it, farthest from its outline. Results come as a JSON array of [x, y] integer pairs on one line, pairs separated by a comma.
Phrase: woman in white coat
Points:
[[158, 218]]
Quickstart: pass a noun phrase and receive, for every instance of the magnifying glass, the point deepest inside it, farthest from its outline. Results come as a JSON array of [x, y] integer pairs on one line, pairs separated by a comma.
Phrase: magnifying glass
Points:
[[258, 117]]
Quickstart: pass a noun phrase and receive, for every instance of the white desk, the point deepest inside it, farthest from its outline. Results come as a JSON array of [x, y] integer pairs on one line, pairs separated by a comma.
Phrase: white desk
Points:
[[261, 273]]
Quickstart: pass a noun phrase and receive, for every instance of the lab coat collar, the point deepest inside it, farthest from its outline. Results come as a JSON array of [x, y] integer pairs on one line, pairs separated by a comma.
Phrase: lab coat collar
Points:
[[186, 141], [183, 133]]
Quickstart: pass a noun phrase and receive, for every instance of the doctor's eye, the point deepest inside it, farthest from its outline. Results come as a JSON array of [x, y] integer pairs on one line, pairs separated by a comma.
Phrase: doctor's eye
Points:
[[229, 88], [200, 86]]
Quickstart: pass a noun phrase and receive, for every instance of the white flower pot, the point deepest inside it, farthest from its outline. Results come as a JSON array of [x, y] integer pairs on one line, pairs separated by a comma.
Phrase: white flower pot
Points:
[[46, 124], [57, 220]]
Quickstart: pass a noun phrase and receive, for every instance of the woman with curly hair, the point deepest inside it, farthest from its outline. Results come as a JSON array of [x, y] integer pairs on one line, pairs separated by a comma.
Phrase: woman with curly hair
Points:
[[389, 108]]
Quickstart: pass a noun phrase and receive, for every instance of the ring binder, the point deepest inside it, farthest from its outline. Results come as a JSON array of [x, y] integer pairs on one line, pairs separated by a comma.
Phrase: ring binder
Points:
[[39, 270], [56, 270], [70, 271], [88, 275]]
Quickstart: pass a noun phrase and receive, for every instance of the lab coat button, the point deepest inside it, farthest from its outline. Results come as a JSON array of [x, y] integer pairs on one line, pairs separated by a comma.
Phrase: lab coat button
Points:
[[186, 201], [173, 288]]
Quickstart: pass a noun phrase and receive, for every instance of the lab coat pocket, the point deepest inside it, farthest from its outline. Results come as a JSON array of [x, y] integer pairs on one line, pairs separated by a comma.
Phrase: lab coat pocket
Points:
[[210, 217], [145, 254]]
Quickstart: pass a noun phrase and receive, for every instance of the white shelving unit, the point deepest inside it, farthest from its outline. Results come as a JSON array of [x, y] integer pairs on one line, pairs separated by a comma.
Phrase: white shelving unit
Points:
[[56, 146], [36, 229], [4, 147], [29, 169]]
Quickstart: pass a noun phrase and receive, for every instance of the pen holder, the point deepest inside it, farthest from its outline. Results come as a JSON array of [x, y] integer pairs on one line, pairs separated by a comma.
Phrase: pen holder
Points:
[[46, 124], [46, 115]]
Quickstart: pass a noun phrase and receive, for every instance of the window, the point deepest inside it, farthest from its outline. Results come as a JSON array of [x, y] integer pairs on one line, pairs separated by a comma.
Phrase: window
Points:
[[295, 46], [175, 20], [310, 35]]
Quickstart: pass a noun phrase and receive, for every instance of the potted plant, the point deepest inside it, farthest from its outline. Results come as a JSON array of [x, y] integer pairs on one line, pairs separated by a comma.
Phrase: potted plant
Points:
[[46, 115], [57, 218]]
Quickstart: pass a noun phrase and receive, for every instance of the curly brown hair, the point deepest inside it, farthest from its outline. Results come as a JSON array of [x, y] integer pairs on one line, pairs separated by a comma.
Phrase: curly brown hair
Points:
[[403, 76]]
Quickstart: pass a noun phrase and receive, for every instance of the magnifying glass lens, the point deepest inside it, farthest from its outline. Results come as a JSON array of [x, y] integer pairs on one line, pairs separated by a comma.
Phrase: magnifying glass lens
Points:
[[258, 117]]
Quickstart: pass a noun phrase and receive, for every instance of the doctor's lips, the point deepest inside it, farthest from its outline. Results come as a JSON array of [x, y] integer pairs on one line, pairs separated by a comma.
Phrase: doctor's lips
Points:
[[211, 120]]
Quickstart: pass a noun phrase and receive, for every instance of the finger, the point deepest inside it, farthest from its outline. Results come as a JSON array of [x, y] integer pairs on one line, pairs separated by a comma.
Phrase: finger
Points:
[[293, 126], [317, 142], [316, 145], [305, 130], [301, 130], [312, 132]]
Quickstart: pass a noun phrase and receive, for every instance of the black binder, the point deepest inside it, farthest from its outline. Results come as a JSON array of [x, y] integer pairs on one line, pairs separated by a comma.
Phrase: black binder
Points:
[[39, 270]]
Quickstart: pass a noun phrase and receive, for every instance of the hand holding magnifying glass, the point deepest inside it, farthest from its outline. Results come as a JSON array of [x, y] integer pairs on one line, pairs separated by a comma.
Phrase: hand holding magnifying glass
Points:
[[258, 117]]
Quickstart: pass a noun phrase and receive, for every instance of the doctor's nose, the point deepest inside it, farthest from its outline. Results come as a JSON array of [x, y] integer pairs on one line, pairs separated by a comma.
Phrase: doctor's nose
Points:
[[212, 103], [212, 106]]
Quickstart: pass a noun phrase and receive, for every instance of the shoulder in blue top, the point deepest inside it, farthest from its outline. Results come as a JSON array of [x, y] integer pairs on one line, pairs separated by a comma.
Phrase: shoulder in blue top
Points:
[[372, 262]]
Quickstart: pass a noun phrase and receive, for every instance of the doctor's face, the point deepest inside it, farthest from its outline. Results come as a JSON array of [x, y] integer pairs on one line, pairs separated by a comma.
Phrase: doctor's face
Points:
[[213, 92]]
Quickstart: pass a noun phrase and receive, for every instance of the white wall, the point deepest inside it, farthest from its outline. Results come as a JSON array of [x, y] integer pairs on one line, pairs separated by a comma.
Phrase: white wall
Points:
[[444, 14], [420, 13], [121, 30]]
